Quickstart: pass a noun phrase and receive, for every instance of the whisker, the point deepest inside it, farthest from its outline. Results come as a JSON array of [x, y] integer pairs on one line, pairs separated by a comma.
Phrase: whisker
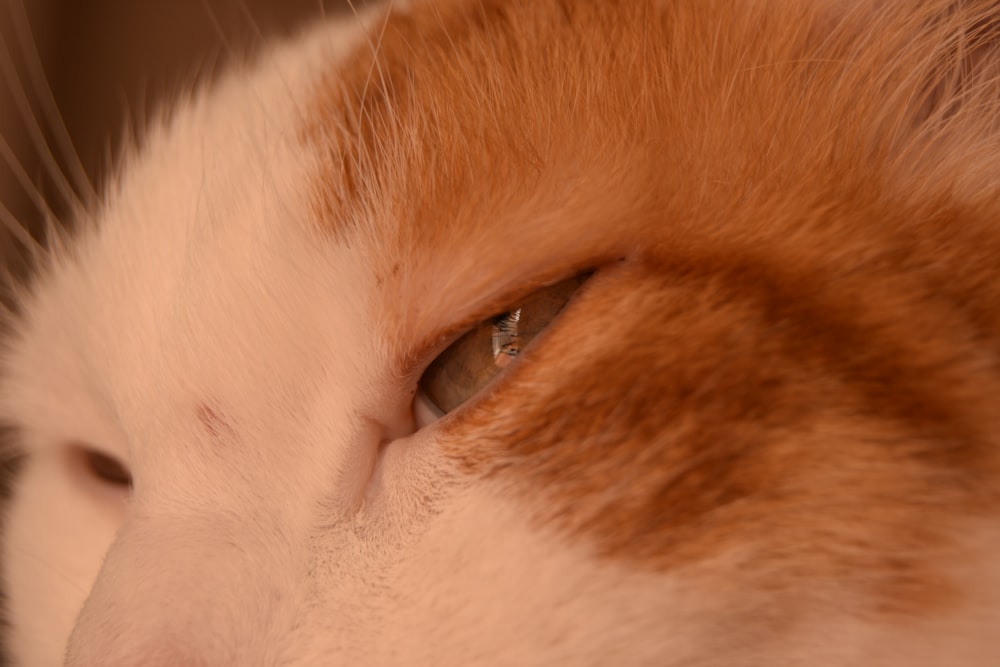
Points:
[[32, 190], [248, 15], [55, 238], [18, 231], [376, 51], [233, 56], [261, 43], [227, 45], [141, 112], [43, 92], [10, 296], [34, 129], [63, 576]]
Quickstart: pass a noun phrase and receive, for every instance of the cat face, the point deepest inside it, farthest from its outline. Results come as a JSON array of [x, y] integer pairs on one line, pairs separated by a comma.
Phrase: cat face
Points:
[[729, 273]]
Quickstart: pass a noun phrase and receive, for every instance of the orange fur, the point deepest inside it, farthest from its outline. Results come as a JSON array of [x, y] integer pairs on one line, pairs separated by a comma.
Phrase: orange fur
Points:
[[803, 367]]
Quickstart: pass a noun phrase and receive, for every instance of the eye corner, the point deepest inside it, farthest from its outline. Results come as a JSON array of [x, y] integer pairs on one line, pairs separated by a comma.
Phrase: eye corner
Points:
[[425, 412]]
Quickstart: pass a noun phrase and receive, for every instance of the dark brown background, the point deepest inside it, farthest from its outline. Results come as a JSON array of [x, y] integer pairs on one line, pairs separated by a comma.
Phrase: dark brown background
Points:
[[107, 60]]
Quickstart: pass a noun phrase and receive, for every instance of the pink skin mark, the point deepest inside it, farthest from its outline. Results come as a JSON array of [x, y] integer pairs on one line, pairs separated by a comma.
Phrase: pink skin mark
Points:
[[214, 423]]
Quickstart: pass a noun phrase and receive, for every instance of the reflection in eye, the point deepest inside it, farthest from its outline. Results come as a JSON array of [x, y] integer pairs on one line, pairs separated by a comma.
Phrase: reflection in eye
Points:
[[506, 343], [480, 355]]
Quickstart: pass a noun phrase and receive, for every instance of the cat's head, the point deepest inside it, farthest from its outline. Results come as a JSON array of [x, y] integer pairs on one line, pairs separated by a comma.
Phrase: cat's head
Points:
[[706, 291]]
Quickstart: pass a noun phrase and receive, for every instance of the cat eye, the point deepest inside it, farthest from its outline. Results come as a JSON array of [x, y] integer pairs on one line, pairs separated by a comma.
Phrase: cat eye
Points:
[[471, 362], [107, 469]]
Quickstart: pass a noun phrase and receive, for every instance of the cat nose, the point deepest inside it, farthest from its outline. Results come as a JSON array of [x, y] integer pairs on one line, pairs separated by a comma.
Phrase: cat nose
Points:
[[190, 591]]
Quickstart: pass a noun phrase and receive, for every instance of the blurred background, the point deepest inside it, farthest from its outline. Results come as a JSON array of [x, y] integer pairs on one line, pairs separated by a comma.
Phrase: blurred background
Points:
[[108, 63]]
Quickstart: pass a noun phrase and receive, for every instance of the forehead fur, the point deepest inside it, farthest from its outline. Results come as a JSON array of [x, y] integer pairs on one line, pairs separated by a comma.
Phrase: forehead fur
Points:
[[798, 203]]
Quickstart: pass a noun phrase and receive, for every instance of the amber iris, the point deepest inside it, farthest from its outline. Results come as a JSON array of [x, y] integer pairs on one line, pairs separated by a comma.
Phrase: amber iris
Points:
[[471, 362]]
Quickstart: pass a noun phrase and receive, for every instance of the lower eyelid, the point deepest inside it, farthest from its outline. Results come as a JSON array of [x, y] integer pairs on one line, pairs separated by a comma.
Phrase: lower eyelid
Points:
[[425, 413]]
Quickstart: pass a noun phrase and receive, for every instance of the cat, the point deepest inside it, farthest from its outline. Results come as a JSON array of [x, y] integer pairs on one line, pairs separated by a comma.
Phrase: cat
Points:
[[531, 332]]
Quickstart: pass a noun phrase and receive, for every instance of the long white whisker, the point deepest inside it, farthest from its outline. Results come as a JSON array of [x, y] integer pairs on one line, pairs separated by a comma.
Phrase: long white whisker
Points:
[[376, 48], [10, 289], [7, 153], [14, 226], [248, 15], [66, 578], [55, 239], [43, 92], [34, 130], [262, 40], [219, 30]]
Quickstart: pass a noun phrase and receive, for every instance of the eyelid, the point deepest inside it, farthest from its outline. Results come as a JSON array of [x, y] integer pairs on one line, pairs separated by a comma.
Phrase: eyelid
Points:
[[425, 412], [464, 371], [425, 352]]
